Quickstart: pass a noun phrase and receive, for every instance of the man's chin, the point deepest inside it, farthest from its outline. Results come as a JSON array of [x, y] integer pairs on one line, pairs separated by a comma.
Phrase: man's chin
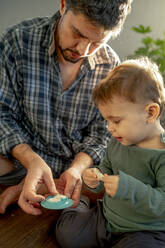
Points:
[[72, 60], [67, 56]]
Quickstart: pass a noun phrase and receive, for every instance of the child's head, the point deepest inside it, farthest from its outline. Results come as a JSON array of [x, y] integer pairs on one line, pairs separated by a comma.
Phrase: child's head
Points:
[[132, 92]]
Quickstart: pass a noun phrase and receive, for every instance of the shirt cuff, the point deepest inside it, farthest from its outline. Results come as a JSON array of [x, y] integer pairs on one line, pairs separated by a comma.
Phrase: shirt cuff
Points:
[[10, 142]]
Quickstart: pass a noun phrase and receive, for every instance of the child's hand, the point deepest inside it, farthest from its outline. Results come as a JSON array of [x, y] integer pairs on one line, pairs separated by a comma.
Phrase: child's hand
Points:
[[90, 178], [111, 184]]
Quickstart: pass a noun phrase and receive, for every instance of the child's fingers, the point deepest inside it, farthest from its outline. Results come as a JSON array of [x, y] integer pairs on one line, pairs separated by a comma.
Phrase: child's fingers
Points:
[[90, 178], [89, 174]]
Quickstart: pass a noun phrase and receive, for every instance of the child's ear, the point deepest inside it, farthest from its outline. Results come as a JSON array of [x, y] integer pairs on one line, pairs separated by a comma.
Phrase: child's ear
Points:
[[62, 6], [153, 111]]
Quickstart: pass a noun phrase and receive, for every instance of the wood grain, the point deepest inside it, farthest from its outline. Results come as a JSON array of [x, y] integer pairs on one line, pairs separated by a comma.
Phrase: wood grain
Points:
[[18, 229]]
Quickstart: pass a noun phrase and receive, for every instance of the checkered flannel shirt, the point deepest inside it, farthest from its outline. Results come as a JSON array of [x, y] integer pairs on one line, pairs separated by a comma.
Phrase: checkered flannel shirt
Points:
[[33, 108]]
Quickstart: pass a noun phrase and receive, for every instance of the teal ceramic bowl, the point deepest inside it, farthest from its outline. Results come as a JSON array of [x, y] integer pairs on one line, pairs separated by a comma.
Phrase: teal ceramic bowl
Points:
[[63, 203]]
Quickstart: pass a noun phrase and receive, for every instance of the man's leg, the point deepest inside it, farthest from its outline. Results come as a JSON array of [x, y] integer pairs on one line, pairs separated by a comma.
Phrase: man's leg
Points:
[[145, 239], [10, 195], [5, 166], [10, 176], [81, 227]]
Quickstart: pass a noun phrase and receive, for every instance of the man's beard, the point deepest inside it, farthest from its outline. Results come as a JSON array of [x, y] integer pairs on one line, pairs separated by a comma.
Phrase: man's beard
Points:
[[67, 57]]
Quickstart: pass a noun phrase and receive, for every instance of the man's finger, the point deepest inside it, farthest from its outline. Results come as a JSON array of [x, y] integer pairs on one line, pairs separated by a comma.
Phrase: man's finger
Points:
[[69, 189], [76, 193], [29, 208], [49, 181]]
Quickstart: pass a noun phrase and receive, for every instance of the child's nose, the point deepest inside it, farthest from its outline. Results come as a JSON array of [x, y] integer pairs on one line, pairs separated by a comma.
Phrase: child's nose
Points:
[[111, 127]]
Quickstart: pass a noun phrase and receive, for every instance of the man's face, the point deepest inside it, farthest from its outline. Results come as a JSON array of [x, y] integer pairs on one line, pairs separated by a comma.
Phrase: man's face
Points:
[[77, 37]]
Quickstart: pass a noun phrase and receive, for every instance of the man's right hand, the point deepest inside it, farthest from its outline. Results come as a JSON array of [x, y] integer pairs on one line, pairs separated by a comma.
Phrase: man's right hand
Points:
[[37, 172], [29, 199]]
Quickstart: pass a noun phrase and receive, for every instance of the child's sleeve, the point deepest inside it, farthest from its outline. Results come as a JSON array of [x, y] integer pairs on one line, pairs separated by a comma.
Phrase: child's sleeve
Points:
[[148, 200], [104, 168]]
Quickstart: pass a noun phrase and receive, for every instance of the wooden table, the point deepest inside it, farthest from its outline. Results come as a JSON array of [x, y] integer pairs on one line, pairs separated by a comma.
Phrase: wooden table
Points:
[[19, 230]]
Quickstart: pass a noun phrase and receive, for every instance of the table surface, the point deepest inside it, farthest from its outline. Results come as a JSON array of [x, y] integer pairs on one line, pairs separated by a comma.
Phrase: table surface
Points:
[[18, 229]]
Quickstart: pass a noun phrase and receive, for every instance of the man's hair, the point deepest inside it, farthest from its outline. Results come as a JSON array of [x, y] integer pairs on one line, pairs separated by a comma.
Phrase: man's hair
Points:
[[138, 81], [108, 13]]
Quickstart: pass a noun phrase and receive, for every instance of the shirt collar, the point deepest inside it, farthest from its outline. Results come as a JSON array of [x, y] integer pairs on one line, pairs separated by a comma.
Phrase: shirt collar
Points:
[[102, 56], [49, 37], [52, 45]]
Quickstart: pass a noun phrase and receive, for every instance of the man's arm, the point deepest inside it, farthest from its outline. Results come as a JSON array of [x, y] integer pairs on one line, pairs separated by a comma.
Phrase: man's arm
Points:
[[11, 131], [96, 137], [81, 162]]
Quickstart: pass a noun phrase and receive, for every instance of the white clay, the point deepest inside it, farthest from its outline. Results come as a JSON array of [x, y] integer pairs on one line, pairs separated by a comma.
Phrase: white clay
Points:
[[57, 198], [98, 174]]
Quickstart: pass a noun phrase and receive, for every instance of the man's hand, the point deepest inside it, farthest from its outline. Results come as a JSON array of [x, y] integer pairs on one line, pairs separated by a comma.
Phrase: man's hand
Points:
[[37, 172], [29, 199], [70, 184], [111, 184], [90, 178]]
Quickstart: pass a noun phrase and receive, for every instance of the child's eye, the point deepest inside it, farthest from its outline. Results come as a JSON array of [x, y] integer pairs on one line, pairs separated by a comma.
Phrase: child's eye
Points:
[[116, 122]]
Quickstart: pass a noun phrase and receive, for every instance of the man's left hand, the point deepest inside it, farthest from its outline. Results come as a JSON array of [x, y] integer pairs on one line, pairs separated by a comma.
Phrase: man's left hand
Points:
[[70, 184]]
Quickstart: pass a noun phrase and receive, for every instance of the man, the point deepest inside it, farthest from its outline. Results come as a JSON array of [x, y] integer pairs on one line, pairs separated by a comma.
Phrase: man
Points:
[[49, 125]]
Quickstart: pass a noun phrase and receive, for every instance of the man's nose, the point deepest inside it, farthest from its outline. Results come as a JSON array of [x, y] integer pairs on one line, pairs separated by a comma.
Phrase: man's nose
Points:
[[83, 47]]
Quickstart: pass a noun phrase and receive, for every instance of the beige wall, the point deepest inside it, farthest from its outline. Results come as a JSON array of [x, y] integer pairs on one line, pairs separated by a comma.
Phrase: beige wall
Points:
[[14, 11], [146, 12]]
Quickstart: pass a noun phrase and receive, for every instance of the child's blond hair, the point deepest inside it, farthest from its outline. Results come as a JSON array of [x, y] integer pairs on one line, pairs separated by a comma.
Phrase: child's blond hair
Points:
[[137, 80]]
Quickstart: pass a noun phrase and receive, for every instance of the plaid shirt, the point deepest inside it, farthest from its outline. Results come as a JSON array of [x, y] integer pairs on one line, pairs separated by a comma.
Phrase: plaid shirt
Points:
[[34, 109]]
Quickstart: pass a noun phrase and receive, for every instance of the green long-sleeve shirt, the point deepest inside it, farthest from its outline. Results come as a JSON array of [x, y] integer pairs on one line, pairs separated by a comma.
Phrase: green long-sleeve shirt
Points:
[[139, 203]]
